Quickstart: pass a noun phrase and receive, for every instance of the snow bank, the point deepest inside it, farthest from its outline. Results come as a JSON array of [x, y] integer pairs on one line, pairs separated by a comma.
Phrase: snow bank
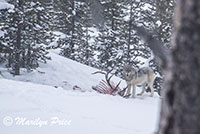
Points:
[[86, 113], [62, 72], [47, 93], [5, 5]]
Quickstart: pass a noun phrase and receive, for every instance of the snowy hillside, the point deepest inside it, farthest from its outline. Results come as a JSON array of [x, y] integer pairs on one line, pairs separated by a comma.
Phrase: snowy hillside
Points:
[[5, 5], [61, 72], [43, 102]]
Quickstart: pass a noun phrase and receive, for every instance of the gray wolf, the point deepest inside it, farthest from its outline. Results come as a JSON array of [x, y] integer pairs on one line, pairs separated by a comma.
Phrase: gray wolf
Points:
[[134, 77]]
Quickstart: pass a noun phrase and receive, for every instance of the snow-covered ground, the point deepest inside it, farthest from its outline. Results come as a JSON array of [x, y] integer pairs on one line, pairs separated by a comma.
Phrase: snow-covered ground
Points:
[[43, 101], [5, 5]]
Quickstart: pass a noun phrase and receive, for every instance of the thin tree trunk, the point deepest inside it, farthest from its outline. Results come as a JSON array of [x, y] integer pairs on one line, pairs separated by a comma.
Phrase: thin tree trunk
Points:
[[23, 58], [129, 30], [73, 26], [17, 52], [18, 43], [10, 56], [113, 23]]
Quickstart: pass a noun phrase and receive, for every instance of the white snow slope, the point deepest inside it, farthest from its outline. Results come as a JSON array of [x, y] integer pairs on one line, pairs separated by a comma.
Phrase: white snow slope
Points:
[[5, 5], [45, 103]]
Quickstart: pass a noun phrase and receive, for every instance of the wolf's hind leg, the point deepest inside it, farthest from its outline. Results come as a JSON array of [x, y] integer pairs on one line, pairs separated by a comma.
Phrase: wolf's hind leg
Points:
[[143, 90], [152, 90], [150, 83]]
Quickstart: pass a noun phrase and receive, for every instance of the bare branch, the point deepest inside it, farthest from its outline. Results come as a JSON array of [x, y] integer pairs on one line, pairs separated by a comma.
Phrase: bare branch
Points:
[[162, 54], [121, 93], [99, 72]]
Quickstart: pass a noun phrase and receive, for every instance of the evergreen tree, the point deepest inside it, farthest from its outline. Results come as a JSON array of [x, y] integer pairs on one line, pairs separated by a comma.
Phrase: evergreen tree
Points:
[[76, 45], [36, 37], [117, 42], [108, 42], [4, 48], [86, 48], [158, 19], [67, 20], [25, 35], [13, 34], [134, 48]]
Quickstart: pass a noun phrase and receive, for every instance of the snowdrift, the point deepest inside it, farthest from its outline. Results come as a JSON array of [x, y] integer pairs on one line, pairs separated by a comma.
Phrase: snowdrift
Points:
[[46, 94]]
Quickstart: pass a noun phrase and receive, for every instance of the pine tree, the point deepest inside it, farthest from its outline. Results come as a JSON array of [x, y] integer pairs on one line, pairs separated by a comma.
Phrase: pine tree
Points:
[[76, 45], [4, 48], [108, 42], [117, 42], [104, 49], [26, 35], [13, 35], [158, 18], [67, 20], [85, 48], [35, 34], [134, 48]]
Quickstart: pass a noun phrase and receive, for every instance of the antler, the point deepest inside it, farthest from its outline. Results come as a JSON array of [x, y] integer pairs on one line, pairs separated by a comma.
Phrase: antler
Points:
[[108, 78], [122, 92]]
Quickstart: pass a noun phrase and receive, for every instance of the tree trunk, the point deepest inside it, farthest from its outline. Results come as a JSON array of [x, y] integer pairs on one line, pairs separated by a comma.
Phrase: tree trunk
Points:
[[180, 111], [113, 24], [129, 31], [18, 42], [17, 52], [73, 27]]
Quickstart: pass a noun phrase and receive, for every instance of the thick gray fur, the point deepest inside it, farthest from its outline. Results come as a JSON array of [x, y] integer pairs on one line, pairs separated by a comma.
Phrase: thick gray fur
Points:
[[134, 77]]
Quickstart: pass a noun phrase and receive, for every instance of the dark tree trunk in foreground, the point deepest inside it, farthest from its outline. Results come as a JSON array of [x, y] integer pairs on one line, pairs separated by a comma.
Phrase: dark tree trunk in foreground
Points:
[[180, 112]]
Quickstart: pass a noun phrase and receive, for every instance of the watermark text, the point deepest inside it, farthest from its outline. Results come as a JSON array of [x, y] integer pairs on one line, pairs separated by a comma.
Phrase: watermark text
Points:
[[23, 121]]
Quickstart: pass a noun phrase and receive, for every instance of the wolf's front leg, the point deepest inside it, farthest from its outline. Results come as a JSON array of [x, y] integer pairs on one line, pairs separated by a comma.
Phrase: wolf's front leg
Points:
[[128, 91], [133, 91]]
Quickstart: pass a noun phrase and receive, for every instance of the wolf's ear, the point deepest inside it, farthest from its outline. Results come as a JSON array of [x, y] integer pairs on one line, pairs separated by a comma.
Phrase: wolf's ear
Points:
[[124, 72], [130, 64], [136, 69]]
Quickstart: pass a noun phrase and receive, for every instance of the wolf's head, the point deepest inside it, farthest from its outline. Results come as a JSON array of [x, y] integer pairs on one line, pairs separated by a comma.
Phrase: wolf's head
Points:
[[129, 72]]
